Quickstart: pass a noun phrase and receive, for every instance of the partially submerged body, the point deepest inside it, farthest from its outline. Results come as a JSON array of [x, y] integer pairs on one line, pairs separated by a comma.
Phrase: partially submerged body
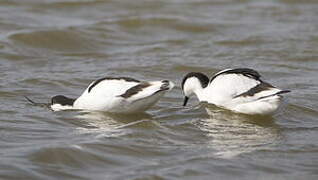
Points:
[[240, 90], [116, 95]]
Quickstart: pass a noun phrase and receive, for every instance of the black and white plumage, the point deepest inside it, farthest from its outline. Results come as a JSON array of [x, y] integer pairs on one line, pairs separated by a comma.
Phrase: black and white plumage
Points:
[[240, 90], [116, 95]]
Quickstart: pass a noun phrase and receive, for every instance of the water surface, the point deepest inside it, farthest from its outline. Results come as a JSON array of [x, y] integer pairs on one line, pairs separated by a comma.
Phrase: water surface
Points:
[[60, 46]]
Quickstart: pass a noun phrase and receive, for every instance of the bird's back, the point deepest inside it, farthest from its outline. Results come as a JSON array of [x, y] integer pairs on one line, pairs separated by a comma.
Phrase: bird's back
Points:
[[103, 95], [225, 87], [122, 95], [234, 89]]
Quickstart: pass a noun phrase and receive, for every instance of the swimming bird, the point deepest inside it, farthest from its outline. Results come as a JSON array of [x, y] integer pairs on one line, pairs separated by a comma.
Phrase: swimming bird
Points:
[[241, 90], [116, 95]]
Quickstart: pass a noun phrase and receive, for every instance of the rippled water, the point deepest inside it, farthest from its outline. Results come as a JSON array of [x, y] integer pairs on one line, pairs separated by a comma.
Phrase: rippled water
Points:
[[50, 47]]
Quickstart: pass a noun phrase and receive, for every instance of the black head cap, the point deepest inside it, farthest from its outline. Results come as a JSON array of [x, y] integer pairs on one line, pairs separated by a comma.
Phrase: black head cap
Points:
[[204, 80], [59, 99]]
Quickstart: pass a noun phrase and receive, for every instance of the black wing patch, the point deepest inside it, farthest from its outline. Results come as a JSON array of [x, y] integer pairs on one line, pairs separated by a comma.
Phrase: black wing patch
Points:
[[244, 71], [256, 89], [164, 86], [134, 90], [278, 93], [111, 78]]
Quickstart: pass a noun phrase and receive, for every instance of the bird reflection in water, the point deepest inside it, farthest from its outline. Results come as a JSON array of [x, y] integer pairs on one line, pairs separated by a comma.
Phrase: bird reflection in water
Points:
[[232, 134], [109, 124]]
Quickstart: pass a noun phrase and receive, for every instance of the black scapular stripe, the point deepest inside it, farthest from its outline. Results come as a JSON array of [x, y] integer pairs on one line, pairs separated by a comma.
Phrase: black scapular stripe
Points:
[[244, 71], [128, 79], [134, 90], [278, 93], [256, 89]]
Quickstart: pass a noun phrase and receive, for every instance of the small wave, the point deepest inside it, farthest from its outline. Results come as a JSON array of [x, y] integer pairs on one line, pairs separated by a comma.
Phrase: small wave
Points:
[[57, 40]]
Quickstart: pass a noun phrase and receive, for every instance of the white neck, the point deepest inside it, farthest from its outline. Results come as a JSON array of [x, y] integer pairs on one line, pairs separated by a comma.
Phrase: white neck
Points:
[[194, 86], [200, 93]]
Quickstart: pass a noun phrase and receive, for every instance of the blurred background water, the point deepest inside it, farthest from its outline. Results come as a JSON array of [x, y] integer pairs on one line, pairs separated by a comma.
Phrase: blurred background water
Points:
[[50, 47]]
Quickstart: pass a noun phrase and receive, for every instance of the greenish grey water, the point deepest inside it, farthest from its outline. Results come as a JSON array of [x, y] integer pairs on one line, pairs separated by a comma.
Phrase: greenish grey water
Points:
[[59, 46]]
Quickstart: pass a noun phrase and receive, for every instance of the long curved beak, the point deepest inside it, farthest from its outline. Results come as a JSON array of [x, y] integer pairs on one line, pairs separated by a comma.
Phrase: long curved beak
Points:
[[185, 100]]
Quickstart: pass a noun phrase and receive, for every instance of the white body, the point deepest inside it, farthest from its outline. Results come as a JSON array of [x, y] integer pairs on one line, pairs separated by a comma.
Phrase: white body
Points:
[[225, 91], [106, 96]]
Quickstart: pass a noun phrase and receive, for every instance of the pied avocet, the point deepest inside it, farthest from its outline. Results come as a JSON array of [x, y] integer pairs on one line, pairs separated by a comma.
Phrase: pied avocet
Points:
[[240, 90], [116, 95]]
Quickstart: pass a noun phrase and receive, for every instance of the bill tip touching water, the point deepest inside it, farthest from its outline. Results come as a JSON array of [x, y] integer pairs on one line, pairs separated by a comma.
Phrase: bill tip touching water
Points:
[[115, 95], [241, 90]]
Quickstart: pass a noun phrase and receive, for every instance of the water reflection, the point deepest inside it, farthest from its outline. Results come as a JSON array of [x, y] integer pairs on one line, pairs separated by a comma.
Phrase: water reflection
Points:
[[95, 121], [233, 134]]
